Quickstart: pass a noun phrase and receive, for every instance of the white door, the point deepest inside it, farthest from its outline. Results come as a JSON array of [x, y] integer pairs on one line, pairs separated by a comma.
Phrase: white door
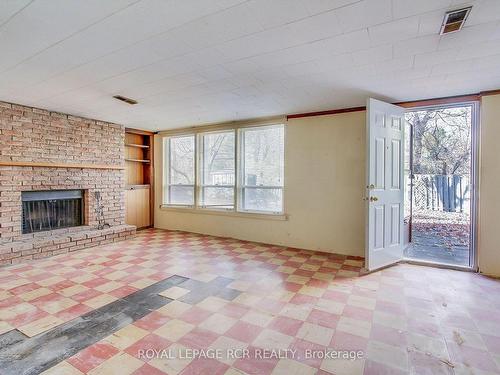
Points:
[[384, 190]]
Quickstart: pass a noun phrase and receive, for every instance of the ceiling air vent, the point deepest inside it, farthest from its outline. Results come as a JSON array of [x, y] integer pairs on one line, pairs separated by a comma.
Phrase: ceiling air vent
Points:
[[125, 99], [454, 20]]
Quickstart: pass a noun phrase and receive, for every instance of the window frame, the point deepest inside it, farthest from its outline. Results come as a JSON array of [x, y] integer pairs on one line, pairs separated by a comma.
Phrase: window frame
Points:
[[241, 176], [200, 171], [167, 163], [237, 209]]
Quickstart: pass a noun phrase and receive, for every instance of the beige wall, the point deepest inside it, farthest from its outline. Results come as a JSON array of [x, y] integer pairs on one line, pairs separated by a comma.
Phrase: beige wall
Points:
[[489, 187], [324, 186], [325, 177]]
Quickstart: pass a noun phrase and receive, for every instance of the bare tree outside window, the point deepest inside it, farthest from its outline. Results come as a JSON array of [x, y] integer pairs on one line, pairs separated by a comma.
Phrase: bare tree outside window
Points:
[[440, 183]]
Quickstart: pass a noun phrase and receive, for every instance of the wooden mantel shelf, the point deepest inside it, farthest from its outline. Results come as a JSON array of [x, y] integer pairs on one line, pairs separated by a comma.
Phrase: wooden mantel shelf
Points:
[[7, 163]]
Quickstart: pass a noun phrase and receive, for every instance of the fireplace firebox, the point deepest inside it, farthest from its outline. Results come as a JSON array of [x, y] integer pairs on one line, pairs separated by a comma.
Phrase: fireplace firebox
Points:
[[49, 210]]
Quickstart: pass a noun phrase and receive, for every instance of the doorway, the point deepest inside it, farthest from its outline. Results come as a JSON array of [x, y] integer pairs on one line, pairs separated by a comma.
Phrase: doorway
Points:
[[440, 177]]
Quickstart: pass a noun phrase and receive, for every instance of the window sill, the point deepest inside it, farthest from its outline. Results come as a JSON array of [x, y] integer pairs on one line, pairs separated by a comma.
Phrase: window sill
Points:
[[207, 211]]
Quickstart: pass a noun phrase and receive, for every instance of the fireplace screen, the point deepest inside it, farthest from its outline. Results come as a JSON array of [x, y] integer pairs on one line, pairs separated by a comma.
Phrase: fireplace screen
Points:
[[49, 210]]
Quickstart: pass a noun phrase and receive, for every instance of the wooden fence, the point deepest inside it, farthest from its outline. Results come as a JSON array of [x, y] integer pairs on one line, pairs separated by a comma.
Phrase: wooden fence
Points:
[[450, 193]]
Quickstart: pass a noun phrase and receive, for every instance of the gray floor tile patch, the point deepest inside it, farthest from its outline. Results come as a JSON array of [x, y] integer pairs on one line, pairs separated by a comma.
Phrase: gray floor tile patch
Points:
[[200, 290], [22, 355]]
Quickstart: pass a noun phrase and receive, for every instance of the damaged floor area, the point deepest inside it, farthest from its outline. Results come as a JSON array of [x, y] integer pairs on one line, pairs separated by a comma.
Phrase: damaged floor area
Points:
[[144, 306]]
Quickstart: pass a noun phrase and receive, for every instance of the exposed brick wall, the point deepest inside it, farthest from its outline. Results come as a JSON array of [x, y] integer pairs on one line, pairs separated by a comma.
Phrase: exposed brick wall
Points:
[[35, 135]]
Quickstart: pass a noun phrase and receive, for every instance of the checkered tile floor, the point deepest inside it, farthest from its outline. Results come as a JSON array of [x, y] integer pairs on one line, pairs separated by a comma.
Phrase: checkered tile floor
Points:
[[405, 319]]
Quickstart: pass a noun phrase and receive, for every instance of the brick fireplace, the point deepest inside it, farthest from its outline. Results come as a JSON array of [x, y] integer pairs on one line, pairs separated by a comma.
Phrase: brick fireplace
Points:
[[42, 151]]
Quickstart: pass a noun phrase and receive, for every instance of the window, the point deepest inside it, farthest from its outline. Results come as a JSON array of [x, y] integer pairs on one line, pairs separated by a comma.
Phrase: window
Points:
[[217, 180], [180, 179], [237, 170], [262, 159]]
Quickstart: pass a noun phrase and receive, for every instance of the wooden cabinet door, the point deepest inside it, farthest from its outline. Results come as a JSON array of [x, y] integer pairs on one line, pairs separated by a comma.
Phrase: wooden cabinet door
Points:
[[137, 207]]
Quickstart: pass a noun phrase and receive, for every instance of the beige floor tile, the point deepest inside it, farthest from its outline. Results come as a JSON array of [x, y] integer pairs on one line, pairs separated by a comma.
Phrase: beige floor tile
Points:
[[294, 311], [172, 366], [212, 303], [51, 281], [120, 364], [329, 306], [109, 286], [247, 299], [10, 312], [363, 302], [4, 295], [72, 290], [242, 286], [174, 329], [33, 294], [218, 323], [100, 301], [224, 344], [126, 336], [54, 307], [116, 275], [390, 320], [343, 366], [291, 367], [354, 326], [269, 339], [5, 327], [174, 292], [14, 283], [387, 354], [40, 325], [83, 278], [311, 291], [315, 333], [297, 279], [142, 283], [174, 309], [258, 318], [234, 371]]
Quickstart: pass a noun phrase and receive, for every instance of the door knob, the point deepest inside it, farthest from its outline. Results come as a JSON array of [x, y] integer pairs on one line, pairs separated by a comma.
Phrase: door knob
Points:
[[373, 199], [371, 186]]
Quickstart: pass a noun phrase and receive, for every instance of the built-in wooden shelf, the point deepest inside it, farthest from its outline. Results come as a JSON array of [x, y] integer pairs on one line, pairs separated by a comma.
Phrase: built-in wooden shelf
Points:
[[139, 195], [136, 145], [139, 160], [58, 165], [138, 186]]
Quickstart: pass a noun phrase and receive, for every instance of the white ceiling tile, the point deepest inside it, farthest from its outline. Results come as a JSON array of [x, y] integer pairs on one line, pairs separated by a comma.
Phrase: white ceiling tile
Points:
[[320, 6], [374, 54], [484, 11], [8, 8], [430, 23], [444, 69], [435, 58], [422, 44], [479, 50], [364, 14], [270, 13], [394, 65], [468, 35], [406, 8], [394, 31], [42, 24]]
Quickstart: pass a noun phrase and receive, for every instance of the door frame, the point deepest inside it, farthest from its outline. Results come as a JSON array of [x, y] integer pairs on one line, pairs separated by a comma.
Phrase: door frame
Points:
[[474, 199]]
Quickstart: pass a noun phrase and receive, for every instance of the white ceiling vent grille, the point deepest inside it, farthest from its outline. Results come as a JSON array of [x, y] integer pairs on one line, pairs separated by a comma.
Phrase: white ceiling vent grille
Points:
[[454, 20]]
